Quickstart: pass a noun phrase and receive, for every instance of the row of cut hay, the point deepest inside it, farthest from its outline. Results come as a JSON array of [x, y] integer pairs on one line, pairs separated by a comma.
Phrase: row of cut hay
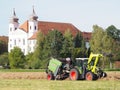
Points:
[[22, 75], [112, 75]]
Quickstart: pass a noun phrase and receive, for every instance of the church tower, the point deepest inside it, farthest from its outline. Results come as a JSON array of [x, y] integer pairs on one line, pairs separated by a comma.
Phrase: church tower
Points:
[[33, 23], [13, 24]]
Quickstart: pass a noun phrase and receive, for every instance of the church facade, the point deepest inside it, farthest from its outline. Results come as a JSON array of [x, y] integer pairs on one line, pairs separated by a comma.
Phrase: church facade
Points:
[[24, 35]]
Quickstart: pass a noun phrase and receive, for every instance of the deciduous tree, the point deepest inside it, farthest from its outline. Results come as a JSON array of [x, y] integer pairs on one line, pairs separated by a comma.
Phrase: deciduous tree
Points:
[[79, 46], [68, 46], [16, 58], [4, 60], [53, 43], [96, 43], [38, 54]]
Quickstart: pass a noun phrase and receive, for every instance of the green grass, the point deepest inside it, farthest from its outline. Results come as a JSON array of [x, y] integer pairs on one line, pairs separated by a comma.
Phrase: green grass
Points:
[[112, 69], [39, 70], [22, 70], [36, 84]]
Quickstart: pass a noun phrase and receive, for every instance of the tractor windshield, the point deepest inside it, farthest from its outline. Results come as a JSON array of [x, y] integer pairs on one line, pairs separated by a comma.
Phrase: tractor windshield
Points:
[[81, 61]]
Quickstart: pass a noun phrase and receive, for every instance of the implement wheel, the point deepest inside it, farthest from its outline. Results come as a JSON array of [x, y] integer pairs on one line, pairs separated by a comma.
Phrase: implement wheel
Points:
[[50, 76], [74, 74], [89, 76]]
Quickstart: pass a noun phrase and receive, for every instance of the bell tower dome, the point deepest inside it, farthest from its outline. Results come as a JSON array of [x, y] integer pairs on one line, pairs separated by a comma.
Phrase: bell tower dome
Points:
[[33, 16], [13, 23], [33, 23]]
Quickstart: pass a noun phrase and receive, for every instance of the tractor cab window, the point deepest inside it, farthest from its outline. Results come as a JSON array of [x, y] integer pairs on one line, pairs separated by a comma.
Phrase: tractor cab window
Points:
[[81, 62]]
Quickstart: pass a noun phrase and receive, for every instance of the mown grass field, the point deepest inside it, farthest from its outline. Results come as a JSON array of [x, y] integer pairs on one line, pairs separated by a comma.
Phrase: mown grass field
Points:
[[37, 84], [36, 80]]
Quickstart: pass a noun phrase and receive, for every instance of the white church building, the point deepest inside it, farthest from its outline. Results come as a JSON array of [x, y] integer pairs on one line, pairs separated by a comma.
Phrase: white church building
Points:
[[24, 35]]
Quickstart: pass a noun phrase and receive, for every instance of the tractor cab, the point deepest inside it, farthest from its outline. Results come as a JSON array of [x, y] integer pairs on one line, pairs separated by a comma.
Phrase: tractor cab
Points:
[[81, 61], [81, 64]]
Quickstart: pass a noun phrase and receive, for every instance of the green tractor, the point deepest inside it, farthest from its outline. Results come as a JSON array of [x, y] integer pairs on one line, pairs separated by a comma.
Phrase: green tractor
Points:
[[87, 68], [80, 68]]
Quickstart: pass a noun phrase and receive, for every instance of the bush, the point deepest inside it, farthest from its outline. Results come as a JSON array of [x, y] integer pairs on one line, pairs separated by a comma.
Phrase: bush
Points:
[[4, 62], [16, 58]]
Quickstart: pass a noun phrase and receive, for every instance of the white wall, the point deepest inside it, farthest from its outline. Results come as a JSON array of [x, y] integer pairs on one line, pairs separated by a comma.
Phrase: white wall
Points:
[[31, 45], [32, 25], [18, 38]]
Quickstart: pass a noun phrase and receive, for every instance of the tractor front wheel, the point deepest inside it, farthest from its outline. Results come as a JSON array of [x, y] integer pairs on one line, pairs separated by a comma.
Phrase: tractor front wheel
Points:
[[74, 74], [89, 76], [50, 76]]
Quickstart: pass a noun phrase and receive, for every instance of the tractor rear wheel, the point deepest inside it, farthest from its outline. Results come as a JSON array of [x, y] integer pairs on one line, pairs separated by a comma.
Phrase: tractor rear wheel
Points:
[[74, 74], [89, 76], [50, 76]]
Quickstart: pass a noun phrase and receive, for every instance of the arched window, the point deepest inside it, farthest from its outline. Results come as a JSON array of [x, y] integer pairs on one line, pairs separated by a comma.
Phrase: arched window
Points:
[[10, 29], [10, 45], [35, 28], [15, 28], [23, 41], [14, 42], [30, 27]]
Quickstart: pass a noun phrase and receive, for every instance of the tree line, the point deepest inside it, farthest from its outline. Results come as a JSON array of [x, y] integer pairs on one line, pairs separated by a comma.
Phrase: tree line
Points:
[[107, 42], [58, 45], [3, 51]]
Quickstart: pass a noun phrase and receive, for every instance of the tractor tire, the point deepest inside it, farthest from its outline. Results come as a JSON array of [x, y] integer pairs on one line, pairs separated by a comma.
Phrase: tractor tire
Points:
[[74, 74], [50, 76], [89, 76], [104, 74]]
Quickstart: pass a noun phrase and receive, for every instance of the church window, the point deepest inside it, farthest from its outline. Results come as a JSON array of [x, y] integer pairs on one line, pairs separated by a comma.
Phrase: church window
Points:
[[30, 49], [23, 41], [10, 29], [30, 42], [14, 42], [33, 41], [10, 45], [30, 27], [35, 28], [15, 28], [19, 40]]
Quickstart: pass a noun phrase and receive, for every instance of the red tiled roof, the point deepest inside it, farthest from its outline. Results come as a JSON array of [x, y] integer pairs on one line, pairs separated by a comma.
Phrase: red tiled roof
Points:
[[62, 27], [4, 39], [86, 35], [34, 36], [24, 26]]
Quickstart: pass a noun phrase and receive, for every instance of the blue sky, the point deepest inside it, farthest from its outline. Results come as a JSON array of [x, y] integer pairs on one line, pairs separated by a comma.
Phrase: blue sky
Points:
[[81, 13]]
